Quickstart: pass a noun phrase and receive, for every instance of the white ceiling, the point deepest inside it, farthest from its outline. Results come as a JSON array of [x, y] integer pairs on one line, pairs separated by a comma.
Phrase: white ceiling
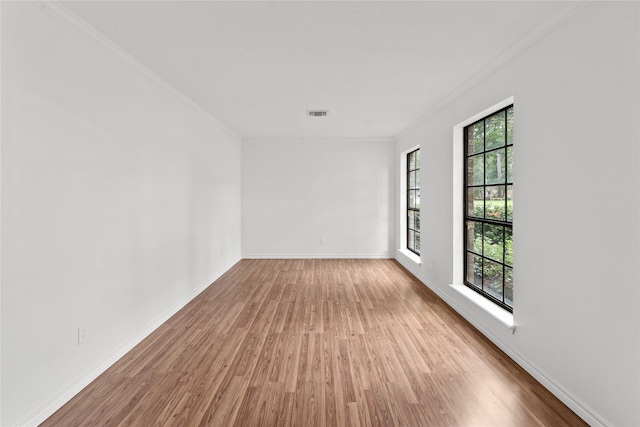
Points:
[[257, 66]]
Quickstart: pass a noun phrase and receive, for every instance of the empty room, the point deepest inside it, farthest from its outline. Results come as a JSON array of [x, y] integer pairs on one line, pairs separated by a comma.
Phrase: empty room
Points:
[[320, 213]]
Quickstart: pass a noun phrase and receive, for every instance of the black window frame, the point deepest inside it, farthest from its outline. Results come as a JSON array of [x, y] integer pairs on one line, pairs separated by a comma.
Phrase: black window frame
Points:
[[505, 223], [413, 226]]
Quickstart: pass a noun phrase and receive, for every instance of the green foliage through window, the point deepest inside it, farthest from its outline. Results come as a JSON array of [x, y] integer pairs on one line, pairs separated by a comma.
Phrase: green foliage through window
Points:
[[489, 207], [413, 201]]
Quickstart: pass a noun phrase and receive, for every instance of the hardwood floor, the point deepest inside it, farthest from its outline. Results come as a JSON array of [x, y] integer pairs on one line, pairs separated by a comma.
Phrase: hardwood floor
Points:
[[315, 343]]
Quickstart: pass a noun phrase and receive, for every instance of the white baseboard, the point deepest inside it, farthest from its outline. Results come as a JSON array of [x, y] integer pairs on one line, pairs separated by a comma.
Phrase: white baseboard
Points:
[[382, 255], [566, 397], [56, 402]]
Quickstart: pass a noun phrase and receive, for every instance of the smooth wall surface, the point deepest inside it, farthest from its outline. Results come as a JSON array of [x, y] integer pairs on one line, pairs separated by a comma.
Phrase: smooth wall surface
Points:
[[120, 201], [317, 198], [576, 209]]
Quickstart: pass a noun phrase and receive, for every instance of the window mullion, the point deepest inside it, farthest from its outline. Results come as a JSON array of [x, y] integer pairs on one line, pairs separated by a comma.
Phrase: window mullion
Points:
[[493, 129], [411, 229]]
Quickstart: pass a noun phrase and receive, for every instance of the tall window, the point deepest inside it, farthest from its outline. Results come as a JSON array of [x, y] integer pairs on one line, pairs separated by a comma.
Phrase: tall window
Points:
[[488, 207], [413, 201]]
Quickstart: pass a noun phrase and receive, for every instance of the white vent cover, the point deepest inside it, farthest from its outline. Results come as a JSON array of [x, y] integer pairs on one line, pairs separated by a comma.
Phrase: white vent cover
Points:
[[317, 113]]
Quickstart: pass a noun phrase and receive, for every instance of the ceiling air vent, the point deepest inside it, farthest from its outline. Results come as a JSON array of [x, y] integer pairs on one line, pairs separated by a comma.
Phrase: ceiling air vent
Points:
[[317, 113]]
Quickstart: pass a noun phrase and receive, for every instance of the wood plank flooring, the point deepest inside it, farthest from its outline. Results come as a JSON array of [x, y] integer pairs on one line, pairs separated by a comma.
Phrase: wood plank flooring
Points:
[[315, 343]]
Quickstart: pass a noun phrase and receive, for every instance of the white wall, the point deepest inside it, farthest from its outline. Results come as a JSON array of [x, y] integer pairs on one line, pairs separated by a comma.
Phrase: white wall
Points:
[[295, 192], [120, 201], [576, 212]]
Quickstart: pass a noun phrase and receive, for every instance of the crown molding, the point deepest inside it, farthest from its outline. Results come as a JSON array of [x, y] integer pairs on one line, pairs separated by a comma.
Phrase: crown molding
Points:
[[569, 9], [58, 11]]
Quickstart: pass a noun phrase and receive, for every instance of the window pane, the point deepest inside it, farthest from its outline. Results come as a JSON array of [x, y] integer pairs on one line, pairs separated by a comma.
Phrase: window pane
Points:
[[495, 131], [474, 269], [496, 167], [508, 246], [494, 207], [492, 278], [474, 237], [510, 164], [493, 246], [413, 200], [510, 203], [475, 202], [475, 138], [510, 126], [508, 286], [489, 206], [475, 170]]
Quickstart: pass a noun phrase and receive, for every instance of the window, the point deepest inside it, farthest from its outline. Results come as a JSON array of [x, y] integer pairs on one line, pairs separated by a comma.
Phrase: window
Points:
[[413, 201], [488, 207]]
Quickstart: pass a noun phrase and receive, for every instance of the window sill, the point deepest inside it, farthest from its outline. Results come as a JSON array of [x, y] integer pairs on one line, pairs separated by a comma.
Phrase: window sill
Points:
[[411, 256], [499, 313]]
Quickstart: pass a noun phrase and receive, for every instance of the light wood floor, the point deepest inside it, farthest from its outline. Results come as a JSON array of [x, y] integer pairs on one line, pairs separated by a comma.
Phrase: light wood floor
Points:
[[315, 343]]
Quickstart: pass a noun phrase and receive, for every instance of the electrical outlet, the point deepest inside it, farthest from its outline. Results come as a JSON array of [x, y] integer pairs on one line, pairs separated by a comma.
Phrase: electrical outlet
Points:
[[82, 335], [322, 240]]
